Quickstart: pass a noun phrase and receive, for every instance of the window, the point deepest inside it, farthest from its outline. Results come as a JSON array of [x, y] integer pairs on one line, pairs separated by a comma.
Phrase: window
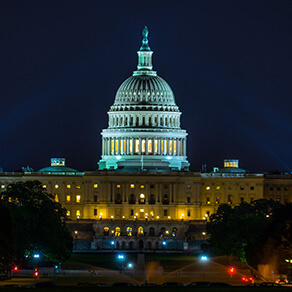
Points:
[[78, 213], [129, 231], [251, 200], [271, 188], [78, 198], [151, 212], [95, 198], [152, 199], [188, 199], [132, 186], [208, 188], [278, 189], [95, 186], [251, 188], [56, 186], [285, 189], [208, 200], [151, 186], [106, 231], [118, 186], [118, 199], [142, 199], [151, 231], [56, 198], [189, 213], [78, 187], [136, 146], [117, 231], [165, 212], [217, 200], [174, 231], [218, 188], [68, 186], [229, 199], [149, 146], [132, 212], [143, 146], [241, 199], [142, 186], [95, 212], [140, 231], [155, 146], [132, 199], [165, 200], [68, 199]]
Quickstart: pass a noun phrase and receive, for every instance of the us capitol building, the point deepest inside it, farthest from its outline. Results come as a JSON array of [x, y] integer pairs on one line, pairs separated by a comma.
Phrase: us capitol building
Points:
[[143, 197]]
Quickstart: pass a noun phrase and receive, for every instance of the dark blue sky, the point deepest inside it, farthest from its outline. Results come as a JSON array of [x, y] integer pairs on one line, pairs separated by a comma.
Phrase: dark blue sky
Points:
[[228, 63]]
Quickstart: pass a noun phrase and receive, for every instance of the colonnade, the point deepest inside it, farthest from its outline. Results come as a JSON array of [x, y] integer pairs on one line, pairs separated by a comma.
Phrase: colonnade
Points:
[[145, 146], [123, 120]]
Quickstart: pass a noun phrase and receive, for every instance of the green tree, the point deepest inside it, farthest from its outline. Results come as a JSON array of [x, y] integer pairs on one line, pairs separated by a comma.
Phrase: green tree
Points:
[[37, 222], [241, 231]]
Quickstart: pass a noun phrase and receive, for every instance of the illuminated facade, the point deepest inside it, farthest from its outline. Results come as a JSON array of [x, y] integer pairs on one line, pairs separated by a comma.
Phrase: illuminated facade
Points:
[[142, 196], [144, 123]]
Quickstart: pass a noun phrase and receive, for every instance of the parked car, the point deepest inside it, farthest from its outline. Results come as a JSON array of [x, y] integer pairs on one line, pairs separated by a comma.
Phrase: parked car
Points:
[[270, 284], [219, 284]]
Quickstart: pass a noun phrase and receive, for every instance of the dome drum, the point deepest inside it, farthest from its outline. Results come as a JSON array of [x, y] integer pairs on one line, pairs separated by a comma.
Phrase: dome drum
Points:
[[144, 123]]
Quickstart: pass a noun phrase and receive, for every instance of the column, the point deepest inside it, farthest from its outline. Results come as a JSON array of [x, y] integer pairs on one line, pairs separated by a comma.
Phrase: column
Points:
[[128, 145], [140, 146], [159, 146], [153, 146], [118, 148], [146, 146], [168, 147], [185, 147]]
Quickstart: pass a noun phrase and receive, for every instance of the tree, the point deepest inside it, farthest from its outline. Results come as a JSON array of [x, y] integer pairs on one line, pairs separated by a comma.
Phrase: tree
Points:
[[241, 231], [38, 223]]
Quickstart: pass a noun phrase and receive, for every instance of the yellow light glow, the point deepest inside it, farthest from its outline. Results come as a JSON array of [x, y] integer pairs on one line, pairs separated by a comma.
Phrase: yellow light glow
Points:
[[68, 186], [149, 146], [170, 146], [68, 213], [118, 186], [143, 146], [95, 186], [137, 144], [100, 214], [44, 186], [56, 198], [116, 146], [112, 146], [68, 199], [156, 146], [131, 146], [78, 198], [157, 217], [168, 217], [76, 232], [132, 186], [142, 210], [142, 186], [142, 196], [208, 188], [78, 213], [78, 187], [174, 147], [112, 217], [56, 186]]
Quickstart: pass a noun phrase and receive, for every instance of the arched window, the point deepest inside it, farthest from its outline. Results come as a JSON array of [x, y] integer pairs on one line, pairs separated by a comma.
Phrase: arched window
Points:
[[174, 231], [117, 231], [140, 231], [142, 199], [106, 231], [56, 198], [162, 232], [129, 231], [151, 231]]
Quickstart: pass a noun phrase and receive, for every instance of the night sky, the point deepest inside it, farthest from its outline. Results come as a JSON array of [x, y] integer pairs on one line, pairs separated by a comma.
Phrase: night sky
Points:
[[228, 62]]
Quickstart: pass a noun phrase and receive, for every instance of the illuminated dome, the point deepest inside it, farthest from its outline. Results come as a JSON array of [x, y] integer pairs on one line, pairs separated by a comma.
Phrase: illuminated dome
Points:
[[144, 122], [145, 90]]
